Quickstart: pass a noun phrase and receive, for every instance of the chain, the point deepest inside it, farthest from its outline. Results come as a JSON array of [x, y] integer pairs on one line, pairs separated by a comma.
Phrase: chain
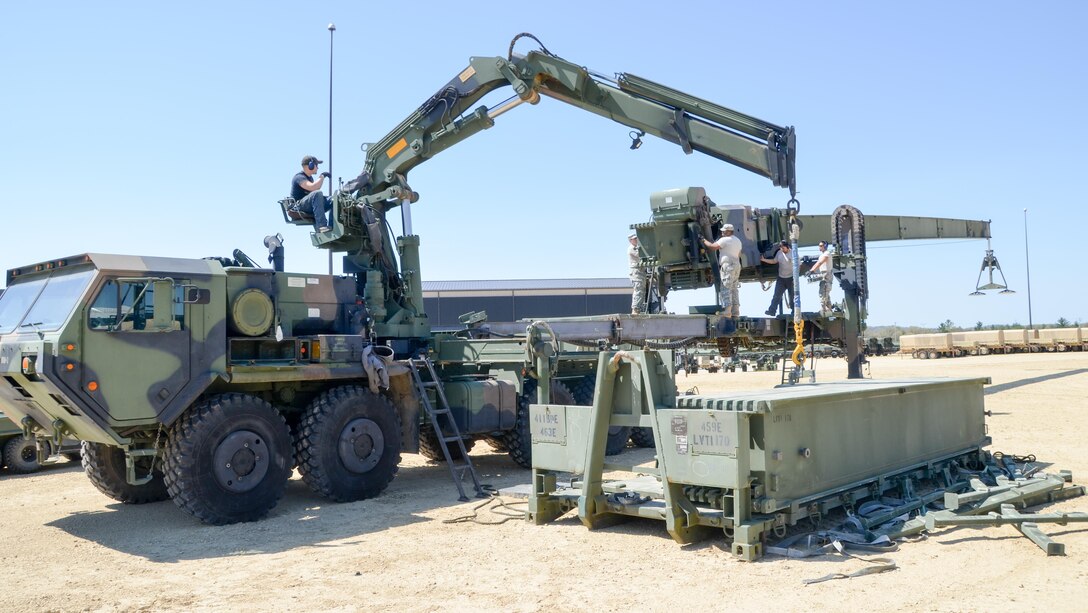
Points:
[[155, 456]]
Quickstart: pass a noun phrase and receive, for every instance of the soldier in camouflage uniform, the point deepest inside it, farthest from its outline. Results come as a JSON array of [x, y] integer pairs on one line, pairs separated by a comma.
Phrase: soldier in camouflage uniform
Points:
[[729, 261], [638, 277]]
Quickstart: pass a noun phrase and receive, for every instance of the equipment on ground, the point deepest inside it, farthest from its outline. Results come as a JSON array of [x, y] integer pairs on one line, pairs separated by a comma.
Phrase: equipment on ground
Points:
[[748, 463]]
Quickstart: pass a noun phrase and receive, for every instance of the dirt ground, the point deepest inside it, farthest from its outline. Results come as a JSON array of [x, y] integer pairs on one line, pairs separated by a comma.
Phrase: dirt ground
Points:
[[65, 547]]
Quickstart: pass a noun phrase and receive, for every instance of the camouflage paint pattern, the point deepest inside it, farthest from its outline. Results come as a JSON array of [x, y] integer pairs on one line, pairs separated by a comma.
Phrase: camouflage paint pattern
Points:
[[120, 384]]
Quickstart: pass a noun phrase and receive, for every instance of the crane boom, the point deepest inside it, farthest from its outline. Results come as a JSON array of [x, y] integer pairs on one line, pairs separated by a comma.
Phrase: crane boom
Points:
[[694, 124]]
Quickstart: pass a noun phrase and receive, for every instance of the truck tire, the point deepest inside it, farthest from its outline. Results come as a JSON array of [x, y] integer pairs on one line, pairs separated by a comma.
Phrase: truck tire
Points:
[[21, 455], [430, 446], [105, 467], [617, 435], [349, 444], [518, 440], [933, 355], [228, 459], [642, 437]]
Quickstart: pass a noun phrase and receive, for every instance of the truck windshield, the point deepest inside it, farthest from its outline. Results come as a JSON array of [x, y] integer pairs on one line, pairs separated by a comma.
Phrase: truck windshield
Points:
[[16, 302], [41, 305]]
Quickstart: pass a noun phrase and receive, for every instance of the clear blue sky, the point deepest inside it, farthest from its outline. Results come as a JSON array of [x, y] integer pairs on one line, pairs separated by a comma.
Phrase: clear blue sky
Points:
[[172, 129]]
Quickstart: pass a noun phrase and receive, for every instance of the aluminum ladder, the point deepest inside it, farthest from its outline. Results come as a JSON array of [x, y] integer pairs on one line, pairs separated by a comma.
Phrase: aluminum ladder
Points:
[[448, 434]]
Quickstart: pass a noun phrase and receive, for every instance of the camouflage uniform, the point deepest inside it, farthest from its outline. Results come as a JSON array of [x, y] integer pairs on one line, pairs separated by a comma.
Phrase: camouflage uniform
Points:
[[822, 270], [729, 248], [638, 281], [825, 292], [729, 296]]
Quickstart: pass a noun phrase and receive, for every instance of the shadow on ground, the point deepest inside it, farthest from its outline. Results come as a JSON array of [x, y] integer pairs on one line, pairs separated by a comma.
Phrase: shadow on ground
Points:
[[997, 389], [160, 532]]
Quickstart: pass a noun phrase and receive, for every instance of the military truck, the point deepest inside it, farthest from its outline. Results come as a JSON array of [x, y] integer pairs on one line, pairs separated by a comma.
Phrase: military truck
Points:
[[208, 382]]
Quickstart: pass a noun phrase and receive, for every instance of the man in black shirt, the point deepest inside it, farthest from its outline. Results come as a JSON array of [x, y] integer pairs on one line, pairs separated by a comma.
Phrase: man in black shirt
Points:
[[307, 192]]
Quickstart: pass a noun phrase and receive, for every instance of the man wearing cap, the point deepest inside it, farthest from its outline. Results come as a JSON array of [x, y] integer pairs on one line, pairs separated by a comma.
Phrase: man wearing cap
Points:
[[307, 192], [784, 282], [638, 277], [729, 263]]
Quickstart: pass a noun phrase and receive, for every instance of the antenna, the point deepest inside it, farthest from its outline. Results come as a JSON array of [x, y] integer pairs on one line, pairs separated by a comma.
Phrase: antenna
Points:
[[332, 29]]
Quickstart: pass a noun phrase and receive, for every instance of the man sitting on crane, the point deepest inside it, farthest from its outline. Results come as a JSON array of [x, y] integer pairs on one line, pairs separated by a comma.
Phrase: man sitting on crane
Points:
[[307, 193]]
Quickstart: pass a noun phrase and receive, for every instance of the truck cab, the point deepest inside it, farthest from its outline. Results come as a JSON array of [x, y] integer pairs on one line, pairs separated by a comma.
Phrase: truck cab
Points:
[[82, 335]]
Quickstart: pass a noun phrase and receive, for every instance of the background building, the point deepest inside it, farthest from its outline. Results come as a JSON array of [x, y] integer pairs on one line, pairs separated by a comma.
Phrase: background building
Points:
[[510, 300]]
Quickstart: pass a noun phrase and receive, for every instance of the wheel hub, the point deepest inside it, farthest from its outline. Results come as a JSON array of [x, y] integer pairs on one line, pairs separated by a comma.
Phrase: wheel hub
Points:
[[361, 445], [241, 461]]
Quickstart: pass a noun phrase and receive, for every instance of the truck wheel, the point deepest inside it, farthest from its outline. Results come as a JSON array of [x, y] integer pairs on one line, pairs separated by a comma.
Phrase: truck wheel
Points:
[[228, 459], [642, 437], [105, 467], [73, 456], [518, 440], [349, 444], [430, 446], [617, 435], [21, 455]]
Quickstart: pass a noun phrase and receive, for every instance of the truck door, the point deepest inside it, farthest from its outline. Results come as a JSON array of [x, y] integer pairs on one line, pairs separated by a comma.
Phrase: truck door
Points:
[[136, 347]]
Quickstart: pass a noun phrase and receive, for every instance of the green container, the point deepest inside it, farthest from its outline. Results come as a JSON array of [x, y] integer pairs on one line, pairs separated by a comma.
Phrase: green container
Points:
[[806, 440]]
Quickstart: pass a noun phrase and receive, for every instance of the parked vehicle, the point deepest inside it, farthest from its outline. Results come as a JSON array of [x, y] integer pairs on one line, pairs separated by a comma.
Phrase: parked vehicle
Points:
[[20, 454]]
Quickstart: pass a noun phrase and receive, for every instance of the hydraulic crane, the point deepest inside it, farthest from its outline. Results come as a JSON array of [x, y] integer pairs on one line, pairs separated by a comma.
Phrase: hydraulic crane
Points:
[[394, 297]]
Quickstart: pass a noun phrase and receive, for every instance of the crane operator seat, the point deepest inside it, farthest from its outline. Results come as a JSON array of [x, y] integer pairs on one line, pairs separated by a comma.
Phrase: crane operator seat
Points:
[[293, 215]]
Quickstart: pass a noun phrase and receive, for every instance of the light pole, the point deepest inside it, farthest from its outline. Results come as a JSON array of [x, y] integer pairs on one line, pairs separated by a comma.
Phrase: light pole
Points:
[[332, 29], [1027, 264]]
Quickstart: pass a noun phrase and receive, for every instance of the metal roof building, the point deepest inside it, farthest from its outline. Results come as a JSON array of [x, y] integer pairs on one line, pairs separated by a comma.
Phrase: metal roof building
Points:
[[514, 299]]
